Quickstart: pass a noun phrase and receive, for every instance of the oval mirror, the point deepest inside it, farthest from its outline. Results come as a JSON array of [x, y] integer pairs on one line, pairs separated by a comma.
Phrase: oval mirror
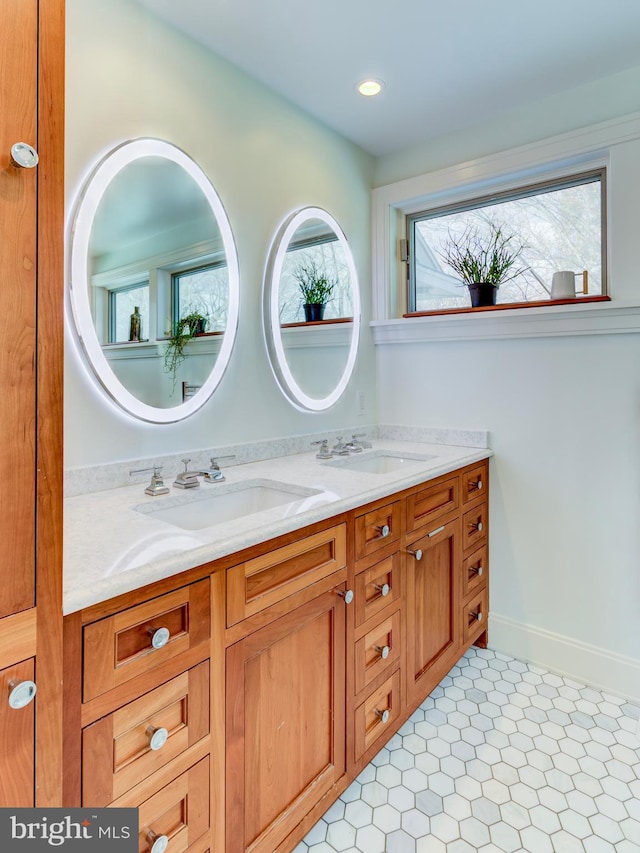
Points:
[[154, 285], [311, 308]]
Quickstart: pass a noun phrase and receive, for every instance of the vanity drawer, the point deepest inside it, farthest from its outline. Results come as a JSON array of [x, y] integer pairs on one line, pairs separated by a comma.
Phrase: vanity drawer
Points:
[[431, 503], [377, 529], [272, 577], [376, 716], [474, 615], [475, 482], [376, 588], [179, 811], [475, 524], [377, 651], [475, 570], [118, 751], [134, 641]]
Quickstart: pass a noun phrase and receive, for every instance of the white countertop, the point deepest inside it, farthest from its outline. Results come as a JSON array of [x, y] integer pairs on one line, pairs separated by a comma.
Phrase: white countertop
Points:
[[114, 544]]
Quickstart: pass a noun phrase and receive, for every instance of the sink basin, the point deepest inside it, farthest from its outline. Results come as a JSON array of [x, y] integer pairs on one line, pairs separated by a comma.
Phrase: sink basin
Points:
[[381, 461], [211, 505]]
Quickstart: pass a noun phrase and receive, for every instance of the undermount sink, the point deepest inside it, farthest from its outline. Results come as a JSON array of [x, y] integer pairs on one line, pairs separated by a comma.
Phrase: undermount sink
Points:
[[381, 461], [211, 505]]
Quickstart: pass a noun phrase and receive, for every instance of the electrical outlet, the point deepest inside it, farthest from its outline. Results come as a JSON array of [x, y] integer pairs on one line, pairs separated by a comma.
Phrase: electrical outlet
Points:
[[361, 402]]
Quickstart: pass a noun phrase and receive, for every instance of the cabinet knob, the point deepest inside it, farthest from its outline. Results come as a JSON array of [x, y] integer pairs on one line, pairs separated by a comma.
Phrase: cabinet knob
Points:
[[384, 589], [383, 651], [478, 484], [21, 693], [384, 529], [157, 737], [24, 155], [417, 553], [346, 594], [384, 715], [477, 615], [159, 843], [477, 570], [159, 637], [477, 525]]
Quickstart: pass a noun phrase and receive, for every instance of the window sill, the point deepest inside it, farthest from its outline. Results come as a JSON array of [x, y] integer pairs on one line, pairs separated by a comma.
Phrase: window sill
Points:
[[504, 306], [562, 318], [321, 333]]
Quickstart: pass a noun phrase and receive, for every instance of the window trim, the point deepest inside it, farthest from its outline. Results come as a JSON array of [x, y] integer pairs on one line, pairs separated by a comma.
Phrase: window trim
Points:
[[175, 284], [525, 190]]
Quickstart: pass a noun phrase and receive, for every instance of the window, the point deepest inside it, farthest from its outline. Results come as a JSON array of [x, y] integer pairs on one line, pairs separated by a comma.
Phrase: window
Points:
[[559, 224], [122, 303], [203, 290]]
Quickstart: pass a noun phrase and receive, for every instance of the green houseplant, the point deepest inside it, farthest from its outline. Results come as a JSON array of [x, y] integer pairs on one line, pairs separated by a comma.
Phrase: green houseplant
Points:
[[483, 261], [184, 329], [315, 288]]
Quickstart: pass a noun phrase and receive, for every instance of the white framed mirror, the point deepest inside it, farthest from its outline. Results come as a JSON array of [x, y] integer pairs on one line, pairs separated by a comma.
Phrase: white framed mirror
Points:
[[154, 284], [312, 351]]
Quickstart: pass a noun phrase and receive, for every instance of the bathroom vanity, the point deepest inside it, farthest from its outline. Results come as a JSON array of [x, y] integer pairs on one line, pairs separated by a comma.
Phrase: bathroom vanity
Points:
[[233, 701]]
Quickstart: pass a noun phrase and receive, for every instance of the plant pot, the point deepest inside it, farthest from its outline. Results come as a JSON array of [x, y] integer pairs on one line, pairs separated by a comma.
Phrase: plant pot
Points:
[[313, 311], [482, 293]]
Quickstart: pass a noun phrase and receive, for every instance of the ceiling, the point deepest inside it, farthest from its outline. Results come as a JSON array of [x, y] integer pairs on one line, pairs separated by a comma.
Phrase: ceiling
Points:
[[446, 64]]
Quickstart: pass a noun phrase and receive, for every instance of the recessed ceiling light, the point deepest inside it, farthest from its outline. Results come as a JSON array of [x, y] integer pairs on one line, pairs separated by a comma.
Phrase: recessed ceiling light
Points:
[[370, 87]]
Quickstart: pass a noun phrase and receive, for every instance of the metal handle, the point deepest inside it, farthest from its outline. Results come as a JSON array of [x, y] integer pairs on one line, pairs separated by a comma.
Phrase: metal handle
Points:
[[384, 589], [159, 637], [347, 595], [155, 468], [477, 615], [477, 570], [159, 843], [24, 155], [384, 715], [477, 525], [436, 531], [478, 484], [417, 553], [384, 529], [215, 459], [21, 693], [383, 651], [157, 737], [185, 462]]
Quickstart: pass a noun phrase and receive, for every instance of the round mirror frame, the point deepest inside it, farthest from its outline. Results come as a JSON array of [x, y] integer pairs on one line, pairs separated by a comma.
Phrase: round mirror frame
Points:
[[271, 313], [87, 205]]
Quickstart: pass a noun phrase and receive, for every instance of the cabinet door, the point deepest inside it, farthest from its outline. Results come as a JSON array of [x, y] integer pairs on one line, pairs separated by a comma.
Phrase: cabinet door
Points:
[[16, 741], [18, 93], [433, 608], [285, 722]]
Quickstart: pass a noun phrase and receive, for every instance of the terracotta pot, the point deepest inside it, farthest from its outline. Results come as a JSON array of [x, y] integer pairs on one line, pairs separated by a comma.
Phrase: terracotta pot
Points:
[[313, 311], [482, 294]]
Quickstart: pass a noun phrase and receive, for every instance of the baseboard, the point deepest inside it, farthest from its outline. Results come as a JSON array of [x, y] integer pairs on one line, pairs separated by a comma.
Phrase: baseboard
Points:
[[593, 666]]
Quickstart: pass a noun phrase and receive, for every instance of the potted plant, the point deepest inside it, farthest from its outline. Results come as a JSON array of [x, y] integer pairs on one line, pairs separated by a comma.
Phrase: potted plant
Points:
[[483, 261], [316, 289], [187, 327]]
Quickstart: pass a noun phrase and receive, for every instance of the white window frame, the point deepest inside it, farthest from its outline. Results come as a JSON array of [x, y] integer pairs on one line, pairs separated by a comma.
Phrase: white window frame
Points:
[[550, 159]]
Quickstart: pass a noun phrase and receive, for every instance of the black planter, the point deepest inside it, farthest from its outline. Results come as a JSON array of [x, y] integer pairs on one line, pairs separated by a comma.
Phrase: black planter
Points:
[[482, 294], [313, 311]]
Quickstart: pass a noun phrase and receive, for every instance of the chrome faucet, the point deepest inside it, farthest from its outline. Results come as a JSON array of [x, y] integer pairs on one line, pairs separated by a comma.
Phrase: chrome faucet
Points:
[[188, 479], [156, 486], [213, 474]]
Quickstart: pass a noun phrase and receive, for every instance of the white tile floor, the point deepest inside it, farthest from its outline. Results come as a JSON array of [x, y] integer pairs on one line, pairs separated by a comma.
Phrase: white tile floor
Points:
[[503, 757]]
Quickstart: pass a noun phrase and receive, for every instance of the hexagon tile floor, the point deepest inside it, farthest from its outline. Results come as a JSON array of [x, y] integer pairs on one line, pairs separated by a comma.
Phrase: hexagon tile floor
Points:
[[503, 757]]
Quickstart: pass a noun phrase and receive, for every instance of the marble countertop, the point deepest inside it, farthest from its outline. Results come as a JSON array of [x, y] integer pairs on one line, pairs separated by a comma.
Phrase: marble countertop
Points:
[[115, 540]]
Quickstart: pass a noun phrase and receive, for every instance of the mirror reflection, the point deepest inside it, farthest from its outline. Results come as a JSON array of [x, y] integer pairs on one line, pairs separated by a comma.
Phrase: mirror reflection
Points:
[[154, 272], [313, 308]]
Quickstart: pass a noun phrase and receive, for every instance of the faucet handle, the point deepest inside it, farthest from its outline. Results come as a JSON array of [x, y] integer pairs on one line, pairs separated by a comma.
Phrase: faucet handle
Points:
[[214, 474], [156, 486], [216, 459], [185, 462], [324, 452]]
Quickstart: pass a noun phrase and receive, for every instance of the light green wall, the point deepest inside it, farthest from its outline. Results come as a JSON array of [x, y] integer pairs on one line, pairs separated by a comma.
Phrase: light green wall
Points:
[[129, 75]]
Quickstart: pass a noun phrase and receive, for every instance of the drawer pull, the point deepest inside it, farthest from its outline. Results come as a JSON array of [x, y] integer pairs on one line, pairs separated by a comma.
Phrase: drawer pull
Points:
[[21, 694], [384, 715], [384, 529], [159, 637], [346, 594], [384, 589], [159, 843], [477, 570], [478, 484], [436, 531], [477, 525], [157, 737], [383, 651], [418, 552], [477, 615]]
